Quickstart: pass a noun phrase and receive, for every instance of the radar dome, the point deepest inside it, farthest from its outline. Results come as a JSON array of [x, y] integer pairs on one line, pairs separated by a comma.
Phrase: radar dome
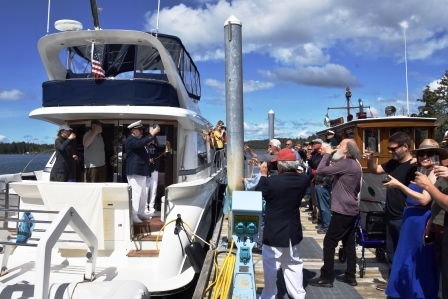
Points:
[[68, 25]]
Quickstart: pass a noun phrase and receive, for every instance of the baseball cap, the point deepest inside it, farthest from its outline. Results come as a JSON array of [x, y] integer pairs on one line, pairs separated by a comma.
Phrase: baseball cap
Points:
[[285, 154], [65, 127]]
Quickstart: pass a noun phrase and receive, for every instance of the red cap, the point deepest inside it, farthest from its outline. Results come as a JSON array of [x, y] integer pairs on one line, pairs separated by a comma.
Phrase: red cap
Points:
[[285, 154]]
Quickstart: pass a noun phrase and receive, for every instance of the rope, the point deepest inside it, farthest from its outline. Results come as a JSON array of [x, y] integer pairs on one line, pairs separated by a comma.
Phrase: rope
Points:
[[190, 232], [224, 276]]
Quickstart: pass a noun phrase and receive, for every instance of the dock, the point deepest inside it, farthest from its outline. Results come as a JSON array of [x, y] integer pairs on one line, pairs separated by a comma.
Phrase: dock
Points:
[[311, 253]]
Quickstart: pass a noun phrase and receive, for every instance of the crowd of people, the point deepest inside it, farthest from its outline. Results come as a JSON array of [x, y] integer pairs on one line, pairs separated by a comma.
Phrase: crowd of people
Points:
[[416, 199]]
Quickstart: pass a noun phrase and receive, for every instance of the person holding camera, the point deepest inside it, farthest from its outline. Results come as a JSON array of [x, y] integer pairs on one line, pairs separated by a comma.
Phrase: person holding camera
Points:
[[218, 143]]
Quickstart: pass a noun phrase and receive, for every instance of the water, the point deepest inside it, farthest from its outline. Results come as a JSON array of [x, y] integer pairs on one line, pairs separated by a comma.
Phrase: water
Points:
[[17, 163]]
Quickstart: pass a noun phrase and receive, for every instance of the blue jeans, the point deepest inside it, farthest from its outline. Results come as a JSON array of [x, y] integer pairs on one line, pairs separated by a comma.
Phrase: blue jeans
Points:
[[323, 203]]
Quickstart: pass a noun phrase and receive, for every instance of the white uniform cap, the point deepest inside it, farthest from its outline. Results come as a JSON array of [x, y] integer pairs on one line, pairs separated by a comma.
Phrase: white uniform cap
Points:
[[136, 125]]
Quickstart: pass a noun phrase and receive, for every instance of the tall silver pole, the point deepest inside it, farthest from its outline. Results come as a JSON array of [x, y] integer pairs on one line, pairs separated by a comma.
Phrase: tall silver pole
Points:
[[404, 25], [271, 124], [234, 103]]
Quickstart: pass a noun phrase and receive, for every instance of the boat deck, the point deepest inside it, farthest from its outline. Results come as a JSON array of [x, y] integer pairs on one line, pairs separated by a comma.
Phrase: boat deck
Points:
[[311, 251]]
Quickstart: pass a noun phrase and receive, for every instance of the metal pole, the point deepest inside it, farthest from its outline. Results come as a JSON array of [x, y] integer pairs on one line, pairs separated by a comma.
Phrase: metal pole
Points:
[[234, 103], [404, 25], [271, 115], [406, 65]]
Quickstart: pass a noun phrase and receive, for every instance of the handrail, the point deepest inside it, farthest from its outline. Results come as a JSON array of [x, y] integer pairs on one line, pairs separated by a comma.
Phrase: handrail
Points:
[[7, 200]]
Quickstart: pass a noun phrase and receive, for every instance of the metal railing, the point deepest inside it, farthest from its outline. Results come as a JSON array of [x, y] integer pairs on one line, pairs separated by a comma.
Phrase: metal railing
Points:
[[67, 216]]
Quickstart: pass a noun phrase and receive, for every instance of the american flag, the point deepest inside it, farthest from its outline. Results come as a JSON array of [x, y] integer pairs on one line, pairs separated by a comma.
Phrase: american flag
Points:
[[97, 70]]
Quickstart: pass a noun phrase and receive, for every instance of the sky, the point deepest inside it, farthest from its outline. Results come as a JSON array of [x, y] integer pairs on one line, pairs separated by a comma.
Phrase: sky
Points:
[[298, 56]]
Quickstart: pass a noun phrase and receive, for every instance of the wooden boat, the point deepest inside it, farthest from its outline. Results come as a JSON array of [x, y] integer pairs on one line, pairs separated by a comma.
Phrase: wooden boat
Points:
[[373, 133]]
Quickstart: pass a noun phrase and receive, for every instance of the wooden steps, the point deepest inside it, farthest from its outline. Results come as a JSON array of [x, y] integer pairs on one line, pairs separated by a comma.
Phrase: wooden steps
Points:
[[148, 226], [143, 253], [147, 238]]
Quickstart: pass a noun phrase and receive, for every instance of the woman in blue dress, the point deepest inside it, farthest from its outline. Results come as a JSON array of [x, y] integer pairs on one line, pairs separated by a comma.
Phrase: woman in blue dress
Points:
[[415, 271]]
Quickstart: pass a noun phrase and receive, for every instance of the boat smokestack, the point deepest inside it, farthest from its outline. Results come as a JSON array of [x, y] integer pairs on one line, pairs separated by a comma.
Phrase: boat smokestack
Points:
[[234, 103], [95, 15], [361, 106]]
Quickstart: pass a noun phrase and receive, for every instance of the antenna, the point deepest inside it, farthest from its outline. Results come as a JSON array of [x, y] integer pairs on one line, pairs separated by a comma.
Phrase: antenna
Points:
[[95, 14], [158, 12], [48, 17]]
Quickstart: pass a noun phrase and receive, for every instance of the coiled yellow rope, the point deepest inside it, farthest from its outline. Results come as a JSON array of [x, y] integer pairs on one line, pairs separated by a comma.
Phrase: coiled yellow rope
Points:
[[223, 276]]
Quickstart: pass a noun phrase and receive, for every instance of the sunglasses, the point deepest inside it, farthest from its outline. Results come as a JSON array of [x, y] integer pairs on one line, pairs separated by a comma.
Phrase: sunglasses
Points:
[[394, 149], [427, 153], [289, 144]]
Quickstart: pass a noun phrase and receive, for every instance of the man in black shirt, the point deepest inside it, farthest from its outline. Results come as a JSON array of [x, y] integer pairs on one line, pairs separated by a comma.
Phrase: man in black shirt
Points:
[[399, 167]]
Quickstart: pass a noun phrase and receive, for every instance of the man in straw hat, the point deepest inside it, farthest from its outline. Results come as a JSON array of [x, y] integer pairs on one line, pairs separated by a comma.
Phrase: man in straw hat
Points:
[[282, 229], [402, 169]]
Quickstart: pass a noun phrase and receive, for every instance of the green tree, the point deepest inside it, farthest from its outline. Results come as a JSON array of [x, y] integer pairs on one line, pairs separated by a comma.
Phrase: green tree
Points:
[[436, 105]]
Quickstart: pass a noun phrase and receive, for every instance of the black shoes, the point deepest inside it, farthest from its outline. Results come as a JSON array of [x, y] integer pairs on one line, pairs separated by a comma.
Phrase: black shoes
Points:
[[320, 282], [322, 230], [347, 280]]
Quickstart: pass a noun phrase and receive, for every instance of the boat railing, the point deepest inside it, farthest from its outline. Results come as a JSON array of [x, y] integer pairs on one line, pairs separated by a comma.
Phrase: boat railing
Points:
[[218, 161], [67, 216], [5, 194]]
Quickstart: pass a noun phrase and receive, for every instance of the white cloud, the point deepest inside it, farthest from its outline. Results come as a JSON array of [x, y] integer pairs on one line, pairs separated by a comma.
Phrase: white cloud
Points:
[[3, 139], [330, 75], [433, 85], [303, 32], [248, 86], [11, 95], [252, 85]]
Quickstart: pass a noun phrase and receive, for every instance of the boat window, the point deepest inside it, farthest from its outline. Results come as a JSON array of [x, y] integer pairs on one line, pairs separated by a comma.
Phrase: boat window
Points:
[[419, 136], [371, 139], [404, 130], [202, 149]]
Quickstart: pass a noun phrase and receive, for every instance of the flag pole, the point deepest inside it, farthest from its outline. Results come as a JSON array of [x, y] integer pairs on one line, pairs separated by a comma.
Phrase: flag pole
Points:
[[91, 53]]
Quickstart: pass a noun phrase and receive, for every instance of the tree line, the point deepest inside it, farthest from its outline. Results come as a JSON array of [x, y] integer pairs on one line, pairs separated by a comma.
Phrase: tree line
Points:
[[23, 148]]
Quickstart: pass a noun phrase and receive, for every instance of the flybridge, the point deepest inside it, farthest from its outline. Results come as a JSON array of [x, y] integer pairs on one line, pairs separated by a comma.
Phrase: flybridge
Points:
[[136, 63]]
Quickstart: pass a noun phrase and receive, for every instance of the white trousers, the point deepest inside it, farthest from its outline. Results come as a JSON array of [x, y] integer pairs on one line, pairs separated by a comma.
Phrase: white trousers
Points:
[[151, 188], [292, 265], [139, 194]]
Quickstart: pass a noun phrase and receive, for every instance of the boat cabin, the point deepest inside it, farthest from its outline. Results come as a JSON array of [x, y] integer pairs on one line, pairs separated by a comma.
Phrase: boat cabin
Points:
[[373, 133]]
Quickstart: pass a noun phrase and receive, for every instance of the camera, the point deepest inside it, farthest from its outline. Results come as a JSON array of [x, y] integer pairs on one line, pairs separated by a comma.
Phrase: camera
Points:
[[223, 127]]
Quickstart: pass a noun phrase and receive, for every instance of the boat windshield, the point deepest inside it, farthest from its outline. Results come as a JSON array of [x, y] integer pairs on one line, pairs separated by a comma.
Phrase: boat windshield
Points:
[[126, 61]]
